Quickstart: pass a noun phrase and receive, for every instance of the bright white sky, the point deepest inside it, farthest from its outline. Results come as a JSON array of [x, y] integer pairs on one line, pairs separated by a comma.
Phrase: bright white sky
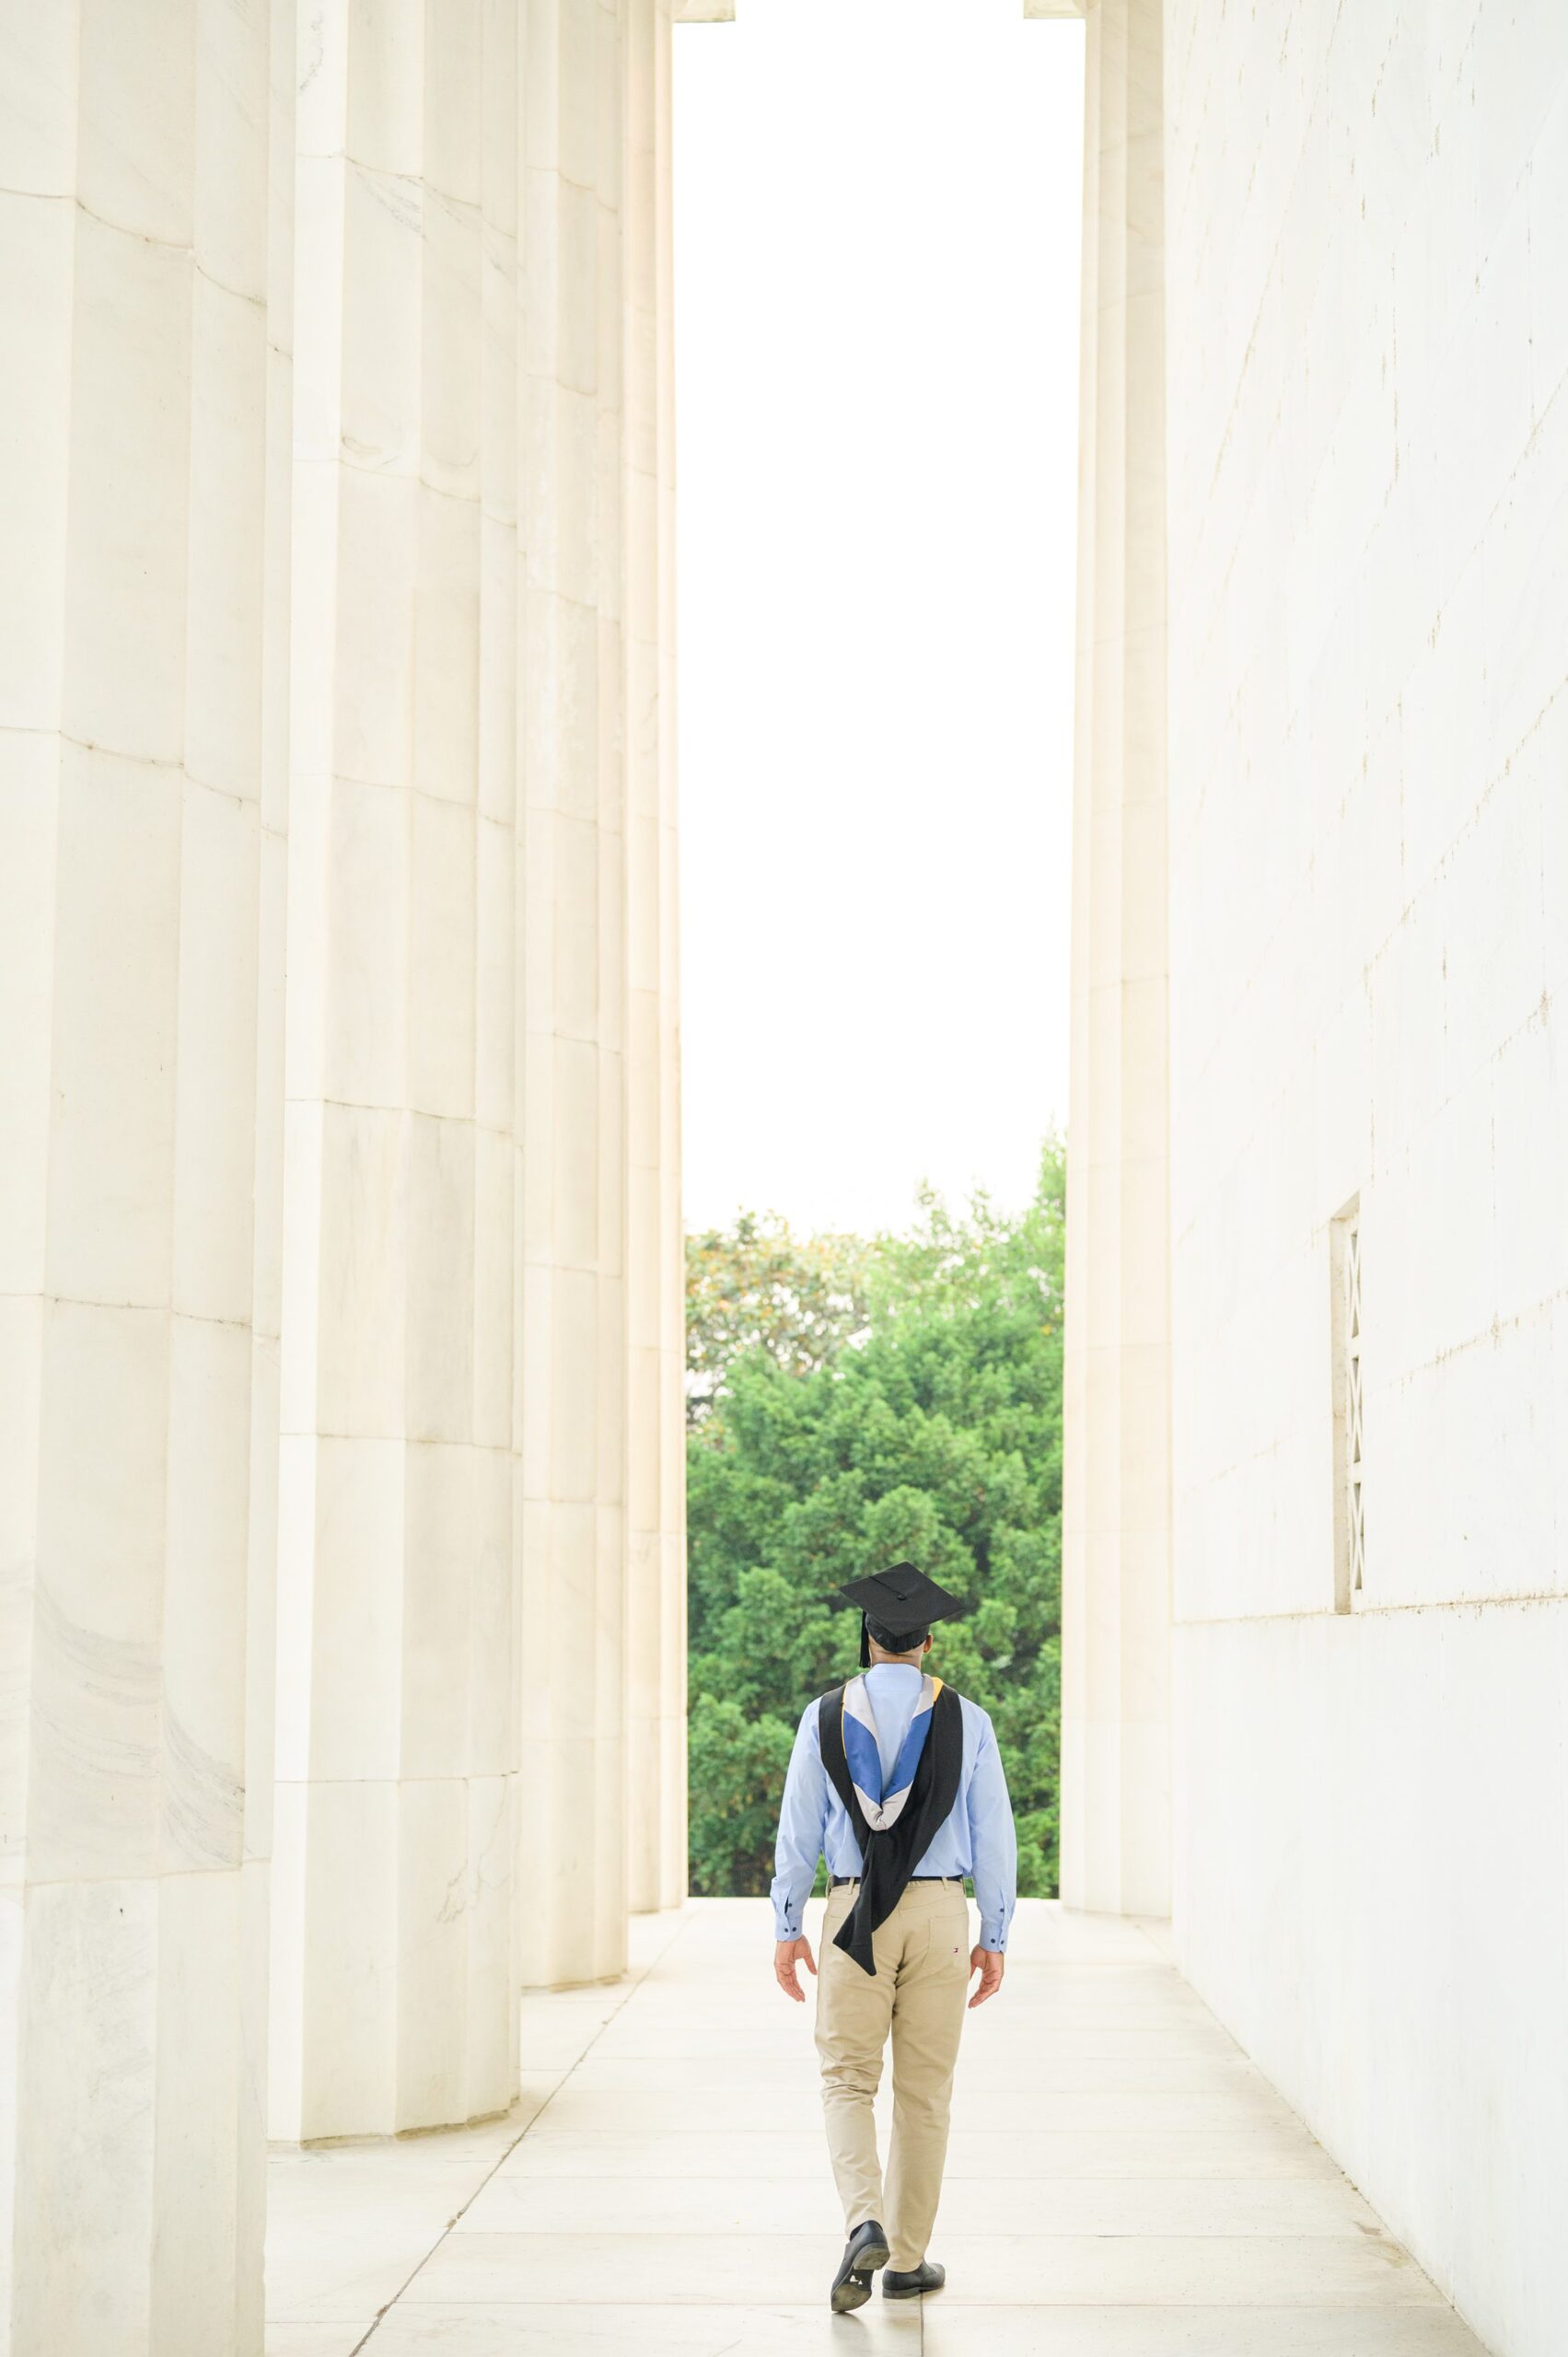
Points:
[[876, 307]]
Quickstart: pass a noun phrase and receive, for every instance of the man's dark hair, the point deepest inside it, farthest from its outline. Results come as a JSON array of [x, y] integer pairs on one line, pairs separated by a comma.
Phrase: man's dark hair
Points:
[[896, 1641]]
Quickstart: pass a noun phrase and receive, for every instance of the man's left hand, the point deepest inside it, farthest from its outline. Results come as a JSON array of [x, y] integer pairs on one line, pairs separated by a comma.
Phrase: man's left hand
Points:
[[786, 1954], [989, 1963]]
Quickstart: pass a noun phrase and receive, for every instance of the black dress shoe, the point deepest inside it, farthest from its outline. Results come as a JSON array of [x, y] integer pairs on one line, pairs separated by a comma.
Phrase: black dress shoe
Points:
[[926, 2277], [865, 2250]]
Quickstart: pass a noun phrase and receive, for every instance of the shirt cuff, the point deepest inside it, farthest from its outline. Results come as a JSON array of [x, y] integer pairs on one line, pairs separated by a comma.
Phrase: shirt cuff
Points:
[[788, 1917], [994, 1935]]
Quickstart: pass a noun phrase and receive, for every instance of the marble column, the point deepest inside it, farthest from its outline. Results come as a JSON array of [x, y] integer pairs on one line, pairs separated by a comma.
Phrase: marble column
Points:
[[1116, 1505], [393, 1971], [472, 522], [572, 1385], [143, 630], [656, 1628]]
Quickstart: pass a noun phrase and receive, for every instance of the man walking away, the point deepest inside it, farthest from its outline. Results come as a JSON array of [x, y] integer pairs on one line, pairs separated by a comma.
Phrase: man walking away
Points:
[[897, 1782]]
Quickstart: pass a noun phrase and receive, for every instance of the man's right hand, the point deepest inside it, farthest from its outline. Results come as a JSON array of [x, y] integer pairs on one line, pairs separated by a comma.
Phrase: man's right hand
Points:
[[787, 1954]]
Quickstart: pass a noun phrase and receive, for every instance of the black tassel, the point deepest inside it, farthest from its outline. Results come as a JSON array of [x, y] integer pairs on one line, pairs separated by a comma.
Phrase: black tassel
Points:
[[864, 1644]]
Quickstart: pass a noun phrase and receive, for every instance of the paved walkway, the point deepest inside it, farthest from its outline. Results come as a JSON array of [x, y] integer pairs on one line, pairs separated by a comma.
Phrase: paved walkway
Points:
[[1121, 2183]]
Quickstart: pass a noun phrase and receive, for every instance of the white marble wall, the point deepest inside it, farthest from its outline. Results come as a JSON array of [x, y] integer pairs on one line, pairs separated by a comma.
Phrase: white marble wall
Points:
[[1368, 252], [143, 290], [1115, 1531]]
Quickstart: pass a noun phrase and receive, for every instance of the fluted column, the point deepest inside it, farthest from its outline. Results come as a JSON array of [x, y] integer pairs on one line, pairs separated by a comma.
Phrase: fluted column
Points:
[[1116, 1503], [143, 632], [571, 1367], [656, 1624], [393, 1971]]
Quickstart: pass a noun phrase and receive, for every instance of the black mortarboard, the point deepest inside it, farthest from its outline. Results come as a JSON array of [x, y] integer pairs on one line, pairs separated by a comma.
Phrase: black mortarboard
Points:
[[900, 1602]]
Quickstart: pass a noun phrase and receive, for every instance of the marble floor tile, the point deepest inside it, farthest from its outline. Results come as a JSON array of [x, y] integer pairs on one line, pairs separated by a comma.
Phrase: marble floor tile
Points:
[[657, 2204], [993, 2070], [587, 2109], [347, 2286], [1122, 2182], [324, 2337], [696, 2270], [648, 1936], [556, 2031], [989, 2045], [958, 2331], [1171, 2270], [882, 2328], [649, 2201], [1271, 2152]]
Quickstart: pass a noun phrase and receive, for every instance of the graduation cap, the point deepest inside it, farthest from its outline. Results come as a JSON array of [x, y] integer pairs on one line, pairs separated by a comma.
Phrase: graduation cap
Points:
[[898, 1607]]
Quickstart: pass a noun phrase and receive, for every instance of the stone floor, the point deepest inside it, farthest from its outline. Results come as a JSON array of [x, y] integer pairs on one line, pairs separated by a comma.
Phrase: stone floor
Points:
[[1121, 2183]]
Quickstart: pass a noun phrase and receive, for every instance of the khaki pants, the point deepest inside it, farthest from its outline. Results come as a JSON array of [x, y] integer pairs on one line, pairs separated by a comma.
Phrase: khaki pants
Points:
[[922, 1971]]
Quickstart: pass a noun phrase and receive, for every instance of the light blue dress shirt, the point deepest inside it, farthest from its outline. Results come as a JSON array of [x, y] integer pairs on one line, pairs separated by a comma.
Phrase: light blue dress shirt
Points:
[[976, 1839]]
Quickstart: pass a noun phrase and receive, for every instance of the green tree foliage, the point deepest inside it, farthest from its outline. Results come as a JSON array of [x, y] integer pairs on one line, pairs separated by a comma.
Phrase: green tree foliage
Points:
[[756, 1288], [855, 1403]]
